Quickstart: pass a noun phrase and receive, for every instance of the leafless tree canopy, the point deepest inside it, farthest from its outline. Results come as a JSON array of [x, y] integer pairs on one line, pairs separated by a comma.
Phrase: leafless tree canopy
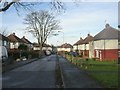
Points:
[[3, 31], [5, 5], [41, 24]]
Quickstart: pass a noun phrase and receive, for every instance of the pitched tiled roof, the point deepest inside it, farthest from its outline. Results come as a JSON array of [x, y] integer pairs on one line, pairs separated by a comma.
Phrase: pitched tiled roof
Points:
[[108, 33], [88, 39], [79, 42], [2, 37], [66, 45], [26, 40], [14, 38]]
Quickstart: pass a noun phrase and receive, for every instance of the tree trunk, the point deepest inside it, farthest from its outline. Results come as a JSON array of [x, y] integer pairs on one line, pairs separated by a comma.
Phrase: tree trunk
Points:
[[40, 51]]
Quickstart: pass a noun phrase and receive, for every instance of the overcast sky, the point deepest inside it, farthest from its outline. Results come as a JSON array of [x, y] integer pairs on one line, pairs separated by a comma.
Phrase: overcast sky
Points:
[[77, 21]]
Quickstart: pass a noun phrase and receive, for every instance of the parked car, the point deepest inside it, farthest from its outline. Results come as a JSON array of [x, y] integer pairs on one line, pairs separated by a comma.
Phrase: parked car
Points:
[[3, 54], [48, 52]]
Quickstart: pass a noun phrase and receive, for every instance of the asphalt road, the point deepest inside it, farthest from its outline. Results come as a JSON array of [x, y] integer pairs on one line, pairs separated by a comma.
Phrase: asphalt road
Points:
[[42, 74], [38, 74]]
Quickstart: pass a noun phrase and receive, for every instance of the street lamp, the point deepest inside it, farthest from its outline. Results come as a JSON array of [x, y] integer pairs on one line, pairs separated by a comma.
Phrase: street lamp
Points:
[[63, 40]]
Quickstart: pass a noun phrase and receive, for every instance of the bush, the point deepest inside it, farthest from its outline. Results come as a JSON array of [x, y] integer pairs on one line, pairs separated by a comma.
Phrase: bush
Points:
[[25, 54], [34, 54], [86, 59], [13, 55], [94, 59]]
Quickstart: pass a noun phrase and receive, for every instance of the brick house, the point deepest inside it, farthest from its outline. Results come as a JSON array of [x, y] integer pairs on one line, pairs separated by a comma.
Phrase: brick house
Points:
[[27, 42], [106, 44], [14, 41], [65, 47], [45, 47], [4, 41], [86, 46], [78, 46]]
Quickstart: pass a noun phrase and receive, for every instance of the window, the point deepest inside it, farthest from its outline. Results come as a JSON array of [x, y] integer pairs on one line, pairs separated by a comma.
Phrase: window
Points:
[[5, 43]]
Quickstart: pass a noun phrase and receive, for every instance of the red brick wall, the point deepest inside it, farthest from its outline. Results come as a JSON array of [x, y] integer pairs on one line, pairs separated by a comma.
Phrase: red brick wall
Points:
[[111, 54]]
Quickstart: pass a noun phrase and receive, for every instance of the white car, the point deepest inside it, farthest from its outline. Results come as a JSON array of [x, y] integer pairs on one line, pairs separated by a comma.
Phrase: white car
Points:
[[48, 52], [3, 54]]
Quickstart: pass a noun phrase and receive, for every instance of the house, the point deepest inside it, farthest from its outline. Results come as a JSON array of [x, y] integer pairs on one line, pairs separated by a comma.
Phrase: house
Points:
[[86, 46], [14, 41], [45, 47], [78, 46], [4, 41], [107, 44], [65, 47], [27, 42]]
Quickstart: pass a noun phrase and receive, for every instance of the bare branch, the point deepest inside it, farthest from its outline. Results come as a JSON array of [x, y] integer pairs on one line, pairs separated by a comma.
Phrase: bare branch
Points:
[[6, 7], [54, 4], [41, 24]]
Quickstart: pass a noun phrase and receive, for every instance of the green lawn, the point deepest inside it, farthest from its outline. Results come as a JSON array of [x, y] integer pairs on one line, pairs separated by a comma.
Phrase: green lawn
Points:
[[103, 71]]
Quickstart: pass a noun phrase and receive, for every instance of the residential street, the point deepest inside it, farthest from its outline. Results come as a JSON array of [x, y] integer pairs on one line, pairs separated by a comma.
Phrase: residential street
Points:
[[41, 74], [38, 74]]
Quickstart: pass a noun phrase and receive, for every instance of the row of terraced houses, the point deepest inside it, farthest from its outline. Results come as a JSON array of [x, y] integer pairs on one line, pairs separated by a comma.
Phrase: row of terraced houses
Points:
[[104, 46]]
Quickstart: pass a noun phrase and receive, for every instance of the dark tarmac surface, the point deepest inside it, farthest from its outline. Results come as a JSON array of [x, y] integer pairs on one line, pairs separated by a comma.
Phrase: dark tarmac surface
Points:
[[41, 74], [74, 77], [38, 74]]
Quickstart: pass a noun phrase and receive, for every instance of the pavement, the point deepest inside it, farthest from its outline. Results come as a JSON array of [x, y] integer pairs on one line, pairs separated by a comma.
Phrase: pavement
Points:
[[74, 77]]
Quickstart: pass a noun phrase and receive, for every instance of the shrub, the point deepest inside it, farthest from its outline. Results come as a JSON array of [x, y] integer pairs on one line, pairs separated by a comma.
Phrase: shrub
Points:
[[13, 55], [34, 54], [94, 59], [87, 59]]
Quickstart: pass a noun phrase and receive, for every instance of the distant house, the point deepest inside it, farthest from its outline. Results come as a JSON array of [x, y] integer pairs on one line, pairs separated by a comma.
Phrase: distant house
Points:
[[107, 44], [14, 41], [45, 47], [27, 42], [65, 47], [4, 41], [86, 47], [78, 46]]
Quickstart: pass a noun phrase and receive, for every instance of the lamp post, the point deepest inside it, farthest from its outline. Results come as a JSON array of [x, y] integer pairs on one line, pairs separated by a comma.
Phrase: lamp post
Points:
[[63, 40]]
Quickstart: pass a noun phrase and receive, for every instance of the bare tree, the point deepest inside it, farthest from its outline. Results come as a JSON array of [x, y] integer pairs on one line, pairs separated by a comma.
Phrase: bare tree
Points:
[[3, 31], [5, 5], [41, 24]]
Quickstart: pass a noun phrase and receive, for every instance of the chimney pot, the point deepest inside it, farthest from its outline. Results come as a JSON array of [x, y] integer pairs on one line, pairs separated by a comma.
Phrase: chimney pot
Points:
[[80, 38], [88, 34], [107, 25]]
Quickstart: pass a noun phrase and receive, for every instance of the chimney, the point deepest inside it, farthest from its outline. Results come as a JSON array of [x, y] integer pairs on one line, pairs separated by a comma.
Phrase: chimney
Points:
[[13, 33], [23, 36], [80, 38], [107, 25], [88, 34]]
